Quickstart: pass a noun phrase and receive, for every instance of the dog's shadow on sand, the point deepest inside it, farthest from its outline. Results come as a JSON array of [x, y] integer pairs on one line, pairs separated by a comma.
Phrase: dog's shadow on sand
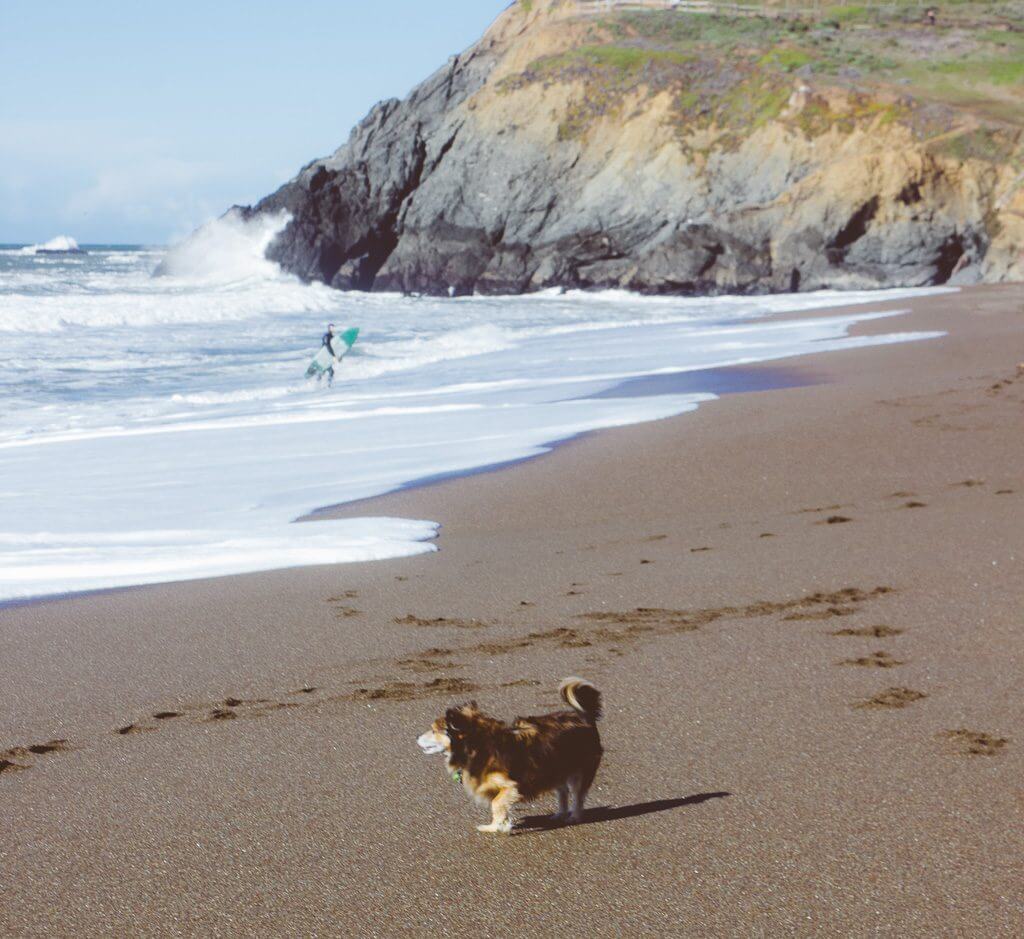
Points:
[[535, 824]]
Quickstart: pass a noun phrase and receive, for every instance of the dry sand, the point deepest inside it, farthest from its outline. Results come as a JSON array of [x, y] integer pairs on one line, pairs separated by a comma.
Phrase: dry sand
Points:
[[805, 608]]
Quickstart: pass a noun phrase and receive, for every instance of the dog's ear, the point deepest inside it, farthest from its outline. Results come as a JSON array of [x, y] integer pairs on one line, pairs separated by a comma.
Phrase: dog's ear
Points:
[[455, 721], [459, 720]]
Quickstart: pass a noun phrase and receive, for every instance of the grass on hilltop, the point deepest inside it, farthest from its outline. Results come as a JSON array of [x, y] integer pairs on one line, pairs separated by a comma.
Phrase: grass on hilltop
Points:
[[737, 72]]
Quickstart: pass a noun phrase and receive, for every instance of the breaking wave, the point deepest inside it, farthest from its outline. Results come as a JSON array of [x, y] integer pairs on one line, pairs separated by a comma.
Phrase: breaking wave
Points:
[[219, 274], [60, 243], [227, 249]]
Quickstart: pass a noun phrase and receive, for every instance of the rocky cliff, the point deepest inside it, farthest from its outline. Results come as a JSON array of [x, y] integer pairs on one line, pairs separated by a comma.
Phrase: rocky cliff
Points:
[[670, 152]]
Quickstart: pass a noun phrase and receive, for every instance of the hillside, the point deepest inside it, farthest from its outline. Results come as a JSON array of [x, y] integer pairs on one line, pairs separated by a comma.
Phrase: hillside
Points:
[[594, 145]]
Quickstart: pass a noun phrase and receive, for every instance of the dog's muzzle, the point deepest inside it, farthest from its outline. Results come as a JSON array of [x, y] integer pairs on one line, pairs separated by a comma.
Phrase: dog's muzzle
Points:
[[429, 743]]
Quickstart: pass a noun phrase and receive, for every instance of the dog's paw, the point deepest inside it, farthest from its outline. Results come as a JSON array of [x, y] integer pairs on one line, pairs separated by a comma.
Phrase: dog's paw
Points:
[[500, 828], [558, 818]]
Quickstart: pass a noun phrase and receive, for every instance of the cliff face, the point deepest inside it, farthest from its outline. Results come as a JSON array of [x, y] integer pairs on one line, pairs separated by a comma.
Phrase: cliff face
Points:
[[669, 152]]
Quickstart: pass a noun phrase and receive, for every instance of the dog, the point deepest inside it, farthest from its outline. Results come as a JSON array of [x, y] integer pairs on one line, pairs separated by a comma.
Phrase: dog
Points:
[[503, 764]]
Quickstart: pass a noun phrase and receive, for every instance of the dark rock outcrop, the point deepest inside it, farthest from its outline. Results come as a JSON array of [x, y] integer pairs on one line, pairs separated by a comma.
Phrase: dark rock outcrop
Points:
[[481, 180], [348, 211]]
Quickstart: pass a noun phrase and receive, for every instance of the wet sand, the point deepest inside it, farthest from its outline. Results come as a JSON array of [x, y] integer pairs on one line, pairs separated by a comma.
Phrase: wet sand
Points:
[[804, 603]]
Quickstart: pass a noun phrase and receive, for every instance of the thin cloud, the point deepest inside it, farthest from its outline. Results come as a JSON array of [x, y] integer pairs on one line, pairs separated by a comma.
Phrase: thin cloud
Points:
[[143, 188], [176, 195]]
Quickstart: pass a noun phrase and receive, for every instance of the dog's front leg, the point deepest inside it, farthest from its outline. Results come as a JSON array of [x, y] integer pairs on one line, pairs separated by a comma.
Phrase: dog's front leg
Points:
[[577, 796], [500, 805], [563, 805]]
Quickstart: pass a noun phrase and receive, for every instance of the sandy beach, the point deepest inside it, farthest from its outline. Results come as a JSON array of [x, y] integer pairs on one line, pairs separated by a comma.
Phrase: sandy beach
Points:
[[804, 605]]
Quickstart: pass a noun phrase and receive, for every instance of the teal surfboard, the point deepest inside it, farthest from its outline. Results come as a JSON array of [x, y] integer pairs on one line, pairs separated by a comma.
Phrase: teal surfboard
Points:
[[323, 360]]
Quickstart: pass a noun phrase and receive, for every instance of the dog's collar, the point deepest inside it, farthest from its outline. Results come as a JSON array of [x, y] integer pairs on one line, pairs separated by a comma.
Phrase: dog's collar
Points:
[[457, 775]]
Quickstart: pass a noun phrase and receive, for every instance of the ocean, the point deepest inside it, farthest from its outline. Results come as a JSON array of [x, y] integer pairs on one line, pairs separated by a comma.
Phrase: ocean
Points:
[[158, 428]]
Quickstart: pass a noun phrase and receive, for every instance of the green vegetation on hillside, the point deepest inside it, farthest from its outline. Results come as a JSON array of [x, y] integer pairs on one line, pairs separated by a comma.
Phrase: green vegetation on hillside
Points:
[[738, 72]]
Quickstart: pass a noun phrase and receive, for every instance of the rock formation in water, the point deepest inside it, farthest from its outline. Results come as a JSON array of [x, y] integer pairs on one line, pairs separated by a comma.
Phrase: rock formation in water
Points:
[[671, 152]]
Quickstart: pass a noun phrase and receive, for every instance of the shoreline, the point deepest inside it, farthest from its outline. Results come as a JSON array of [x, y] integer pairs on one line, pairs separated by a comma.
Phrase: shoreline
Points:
[[740, 377], [719, 381], [730, 379], [802, 607]]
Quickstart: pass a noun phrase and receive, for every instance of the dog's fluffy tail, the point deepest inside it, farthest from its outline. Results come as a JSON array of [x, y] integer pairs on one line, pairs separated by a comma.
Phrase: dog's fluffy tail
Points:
[[582, 696]]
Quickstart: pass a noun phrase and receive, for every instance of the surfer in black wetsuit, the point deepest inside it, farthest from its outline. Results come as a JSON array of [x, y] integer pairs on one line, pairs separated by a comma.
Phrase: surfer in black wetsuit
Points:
[[327, 340]]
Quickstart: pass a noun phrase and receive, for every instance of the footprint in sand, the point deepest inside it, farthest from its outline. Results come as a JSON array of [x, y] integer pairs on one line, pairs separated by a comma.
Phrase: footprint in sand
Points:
[[54, 746], [894, 698], [228, 709], [564, 636], [440, 621], [834, 520], [427, 664], [18, 759], [133, 729], [819, 508], [874, 660], [819, 605], [914, 504], [875, 632], [996, 388], [974, 742], [498, 648], [410, 690], [829, 612]]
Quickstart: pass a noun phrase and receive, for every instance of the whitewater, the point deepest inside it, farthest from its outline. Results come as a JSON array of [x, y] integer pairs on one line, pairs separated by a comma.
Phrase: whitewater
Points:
[[158, 428]]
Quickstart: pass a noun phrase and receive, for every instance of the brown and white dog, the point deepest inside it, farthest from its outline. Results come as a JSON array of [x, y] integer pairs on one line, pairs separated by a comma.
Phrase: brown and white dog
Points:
[[504, 763]]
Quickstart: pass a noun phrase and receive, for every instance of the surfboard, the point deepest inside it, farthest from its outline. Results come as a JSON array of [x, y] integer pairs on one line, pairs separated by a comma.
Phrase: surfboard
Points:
[[323, 360]]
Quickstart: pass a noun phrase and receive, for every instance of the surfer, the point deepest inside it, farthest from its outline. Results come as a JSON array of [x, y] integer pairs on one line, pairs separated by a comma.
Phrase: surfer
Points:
[[333, 348], [326, 341]]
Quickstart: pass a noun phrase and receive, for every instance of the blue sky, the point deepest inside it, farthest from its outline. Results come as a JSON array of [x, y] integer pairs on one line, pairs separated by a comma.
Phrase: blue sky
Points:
[[135, 120]]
